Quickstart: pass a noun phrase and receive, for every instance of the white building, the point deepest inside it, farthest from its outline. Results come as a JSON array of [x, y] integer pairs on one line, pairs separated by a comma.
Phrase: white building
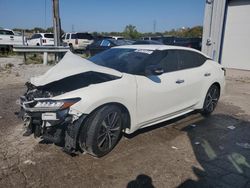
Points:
[[226, 33]]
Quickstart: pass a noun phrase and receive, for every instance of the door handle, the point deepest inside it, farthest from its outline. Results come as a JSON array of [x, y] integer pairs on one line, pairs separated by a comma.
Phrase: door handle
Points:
[[11, 37], [179, 81], [207, 74]]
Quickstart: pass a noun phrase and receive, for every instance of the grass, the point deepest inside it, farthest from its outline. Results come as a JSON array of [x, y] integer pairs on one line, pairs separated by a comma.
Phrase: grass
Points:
[[34, 59]]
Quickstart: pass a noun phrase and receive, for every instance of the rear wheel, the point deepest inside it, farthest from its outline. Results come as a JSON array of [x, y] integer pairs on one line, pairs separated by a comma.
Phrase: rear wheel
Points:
[[102, 131], [71, 48], [211, 100]]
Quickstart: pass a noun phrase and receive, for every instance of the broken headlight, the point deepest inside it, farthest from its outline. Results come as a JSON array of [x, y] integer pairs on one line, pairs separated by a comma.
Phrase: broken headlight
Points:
[[53, 105]]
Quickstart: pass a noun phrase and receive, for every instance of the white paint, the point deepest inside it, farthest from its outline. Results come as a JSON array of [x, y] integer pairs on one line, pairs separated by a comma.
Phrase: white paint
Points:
[[236, 47], [149, 100], [71, 65]]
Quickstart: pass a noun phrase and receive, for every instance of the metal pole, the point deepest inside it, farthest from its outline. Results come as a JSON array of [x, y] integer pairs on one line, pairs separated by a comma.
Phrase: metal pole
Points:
[[56, 25], [24, 43], [45, 58]]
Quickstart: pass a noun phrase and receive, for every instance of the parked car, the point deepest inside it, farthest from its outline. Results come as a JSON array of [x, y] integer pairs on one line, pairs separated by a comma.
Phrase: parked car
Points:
[[147, 42], [8, 38], [104, 44], [193, 42], [89, 103], [41, 39], [189, 42], [78, 41]]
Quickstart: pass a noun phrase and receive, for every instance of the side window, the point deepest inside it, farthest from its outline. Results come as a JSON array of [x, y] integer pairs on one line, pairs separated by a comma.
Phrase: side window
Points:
[[105, 43], [6, 32], [67, 36], [33, 36], [97, 43], [9, 33], [73, 36], [170, 62], [36, 36], [189, 59]]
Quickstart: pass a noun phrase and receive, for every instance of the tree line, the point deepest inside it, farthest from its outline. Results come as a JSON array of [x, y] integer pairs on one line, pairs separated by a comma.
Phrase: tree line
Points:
[[131, 32]]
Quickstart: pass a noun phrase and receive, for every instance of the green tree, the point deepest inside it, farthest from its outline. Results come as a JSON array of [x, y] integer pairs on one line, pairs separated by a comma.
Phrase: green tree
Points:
[[131, 32]]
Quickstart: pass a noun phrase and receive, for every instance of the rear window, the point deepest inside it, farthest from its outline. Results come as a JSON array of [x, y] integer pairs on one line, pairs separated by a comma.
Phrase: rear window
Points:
[[84, 36], [49, 36]]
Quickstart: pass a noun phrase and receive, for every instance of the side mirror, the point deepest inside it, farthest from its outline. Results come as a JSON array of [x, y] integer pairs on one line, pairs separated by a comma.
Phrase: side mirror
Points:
[[154, 70]]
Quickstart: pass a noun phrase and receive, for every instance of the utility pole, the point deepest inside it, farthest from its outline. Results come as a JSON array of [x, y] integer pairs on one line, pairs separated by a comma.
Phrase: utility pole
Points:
[[56, 22], [154, 26]]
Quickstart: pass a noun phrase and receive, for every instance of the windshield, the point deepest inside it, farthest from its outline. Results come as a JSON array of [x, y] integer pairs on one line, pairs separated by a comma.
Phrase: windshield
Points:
[[130, 61]]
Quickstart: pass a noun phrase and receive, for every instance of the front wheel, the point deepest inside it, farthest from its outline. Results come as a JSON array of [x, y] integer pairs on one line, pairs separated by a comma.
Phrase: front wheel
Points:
[[211, 100], [102, 131]]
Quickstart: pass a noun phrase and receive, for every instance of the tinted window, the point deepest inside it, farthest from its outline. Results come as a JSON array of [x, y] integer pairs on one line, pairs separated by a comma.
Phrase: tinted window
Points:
[[84, 36], [35, 36], [131, 61], [67, 36], [73, 36], [50, 36], [6, 32], [189, 59], [96, 43], [170, 62], [105, 43]]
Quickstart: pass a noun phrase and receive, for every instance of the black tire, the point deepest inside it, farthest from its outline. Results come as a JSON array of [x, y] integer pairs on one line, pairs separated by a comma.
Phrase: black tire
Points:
[[71, 48], [102, 131], [211, 100]]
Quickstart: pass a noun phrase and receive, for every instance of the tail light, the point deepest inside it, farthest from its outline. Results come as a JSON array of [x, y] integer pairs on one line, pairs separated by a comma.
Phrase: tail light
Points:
[[44, 40], [76, 41]]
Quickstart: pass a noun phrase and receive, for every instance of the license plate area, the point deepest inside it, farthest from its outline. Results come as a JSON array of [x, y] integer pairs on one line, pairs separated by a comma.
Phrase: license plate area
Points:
[[49, 116]]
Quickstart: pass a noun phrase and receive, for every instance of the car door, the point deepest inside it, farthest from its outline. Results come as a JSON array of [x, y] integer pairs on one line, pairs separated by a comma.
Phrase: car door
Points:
[[191, 77], [159, 96]]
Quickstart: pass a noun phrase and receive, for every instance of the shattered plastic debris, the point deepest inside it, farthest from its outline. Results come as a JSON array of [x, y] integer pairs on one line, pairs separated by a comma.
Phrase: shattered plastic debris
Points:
[[231, 127], [173, 147], [243, 145], [29, 162]]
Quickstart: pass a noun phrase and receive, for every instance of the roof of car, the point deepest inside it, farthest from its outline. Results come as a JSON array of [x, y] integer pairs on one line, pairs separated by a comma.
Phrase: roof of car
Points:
[[160, 47]]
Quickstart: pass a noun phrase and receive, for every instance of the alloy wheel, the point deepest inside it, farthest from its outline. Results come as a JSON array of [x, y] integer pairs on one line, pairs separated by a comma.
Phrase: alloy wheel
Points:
[[109, 131]]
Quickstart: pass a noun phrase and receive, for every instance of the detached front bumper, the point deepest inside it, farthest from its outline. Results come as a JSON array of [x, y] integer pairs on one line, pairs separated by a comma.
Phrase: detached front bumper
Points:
[[60, 126]]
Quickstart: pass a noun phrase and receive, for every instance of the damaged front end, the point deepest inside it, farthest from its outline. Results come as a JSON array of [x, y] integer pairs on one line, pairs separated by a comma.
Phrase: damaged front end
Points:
[[52, 120], [57, 120]]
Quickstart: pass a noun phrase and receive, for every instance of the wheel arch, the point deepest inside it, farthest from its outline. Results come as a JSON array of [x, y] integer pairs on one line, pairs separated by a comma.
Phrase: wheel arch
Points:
[[218, 85], [125, 113]]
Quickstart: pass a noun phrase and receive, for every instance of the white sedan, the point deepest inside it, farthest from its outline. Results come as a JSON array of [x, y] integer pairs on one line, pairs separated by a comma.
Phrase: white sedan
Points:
[[87, 104]]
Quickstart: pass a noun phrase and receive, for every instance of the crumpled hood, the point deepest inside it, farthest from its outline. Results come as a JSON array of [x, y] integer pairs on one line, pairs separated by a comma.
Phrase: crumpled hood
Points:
[[70, 65]]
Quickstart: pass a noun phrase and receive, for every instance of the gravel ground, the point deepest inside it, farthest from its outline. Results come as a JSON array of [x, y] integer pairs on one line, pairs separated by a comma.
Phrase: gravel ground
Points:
[[190, 151], [13, 71]]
